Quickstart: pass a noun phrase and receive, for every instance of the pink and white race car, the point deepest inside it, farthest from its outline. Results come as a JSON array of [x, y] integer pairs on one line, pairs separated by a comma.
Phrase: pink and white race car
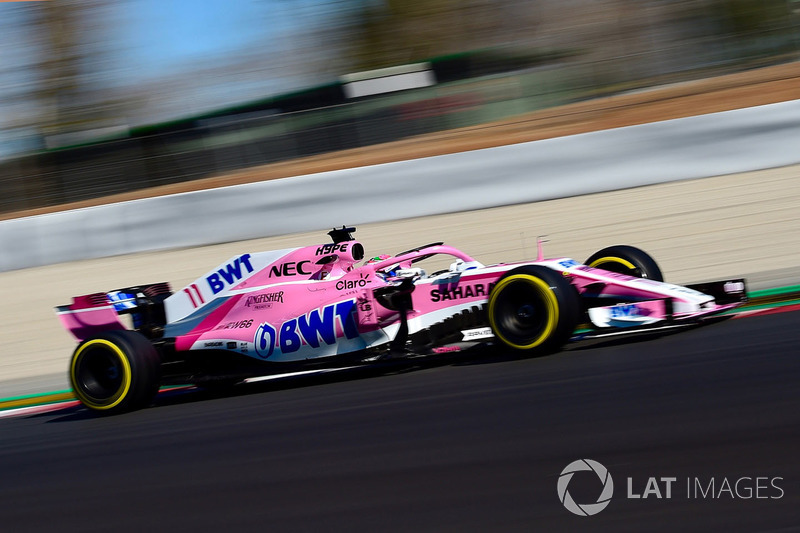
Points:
[[272, 312]]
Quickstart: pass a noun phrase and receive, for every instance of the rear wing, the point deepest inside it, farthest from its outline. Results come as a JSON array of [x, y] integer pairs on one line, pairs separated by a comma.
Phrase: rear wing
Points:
[[90, 314]]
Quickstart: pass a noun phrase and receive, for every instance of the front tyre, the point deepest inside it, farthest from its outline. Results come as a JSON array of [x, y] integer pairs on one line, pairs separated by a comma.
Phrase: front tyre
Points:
[[627, 260], [533, 309], [115, 371]]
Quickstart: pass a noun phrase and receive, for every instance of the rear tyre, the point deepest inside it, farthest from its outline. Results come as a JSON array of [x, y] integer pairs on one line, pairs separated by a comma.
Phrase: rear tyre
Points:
[[627, 260], [533, 309], [115, 371]]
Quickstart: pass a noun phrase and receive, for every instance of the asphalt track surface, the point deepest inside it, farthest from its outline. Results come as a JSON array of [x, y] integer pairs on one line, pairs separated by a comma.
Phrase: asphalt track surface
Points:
[[475, 445]]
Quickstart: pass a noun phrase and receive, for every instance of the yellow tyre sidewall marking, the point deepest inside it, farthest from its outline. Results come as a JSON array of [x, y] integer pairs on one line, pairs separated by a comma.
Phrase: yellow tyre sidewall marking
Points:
[[610, 259], [121, 393], [549, 298]]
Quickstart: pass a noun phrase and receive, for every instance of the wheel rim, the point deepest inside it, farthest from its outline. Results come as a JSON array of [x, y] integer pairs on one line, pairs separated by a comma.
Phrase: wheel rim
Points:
[[523, 311], [101, 374], [618, 265]]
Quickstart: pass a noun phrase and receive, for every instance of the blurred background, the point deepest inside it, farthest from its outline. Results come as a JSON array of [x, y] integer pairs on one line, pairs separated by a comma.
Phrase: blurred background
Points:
[[106, 96]]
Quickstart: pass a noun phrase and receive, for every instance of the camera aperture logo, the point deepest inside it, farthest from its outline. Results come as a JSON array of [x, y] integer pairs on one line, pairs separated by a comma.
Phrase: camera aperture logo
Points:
[[585, 509]]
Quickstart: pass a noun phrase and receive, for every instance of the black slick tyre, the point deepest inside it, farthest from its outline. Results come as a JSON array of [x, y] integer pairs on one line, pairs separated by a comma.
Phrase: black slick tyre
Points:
[[533, 309], [628, 260], [115, 371]]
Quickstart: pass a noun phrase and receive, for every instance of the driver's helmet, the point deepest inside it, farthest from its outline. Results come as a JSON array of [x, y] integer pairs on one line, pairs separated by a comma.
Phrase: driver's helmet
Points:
[[378, 258]]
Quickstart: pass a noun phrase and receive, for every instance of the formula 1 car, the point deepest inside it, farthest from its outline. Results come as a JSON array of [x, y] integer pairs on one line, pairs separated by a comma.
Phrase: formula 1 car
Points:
[[272, 312]]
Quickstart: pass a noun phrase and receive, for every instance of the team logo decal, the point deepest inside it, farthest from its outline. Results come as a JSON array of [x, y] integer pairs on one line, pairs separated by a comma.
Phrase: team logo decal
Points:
[[313, 329]]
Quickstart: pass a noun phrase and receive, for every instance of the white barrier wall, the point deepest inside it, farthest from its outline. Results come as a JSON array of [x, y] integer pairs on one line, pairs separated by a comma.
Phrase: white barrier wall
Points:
[[702, 146]]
